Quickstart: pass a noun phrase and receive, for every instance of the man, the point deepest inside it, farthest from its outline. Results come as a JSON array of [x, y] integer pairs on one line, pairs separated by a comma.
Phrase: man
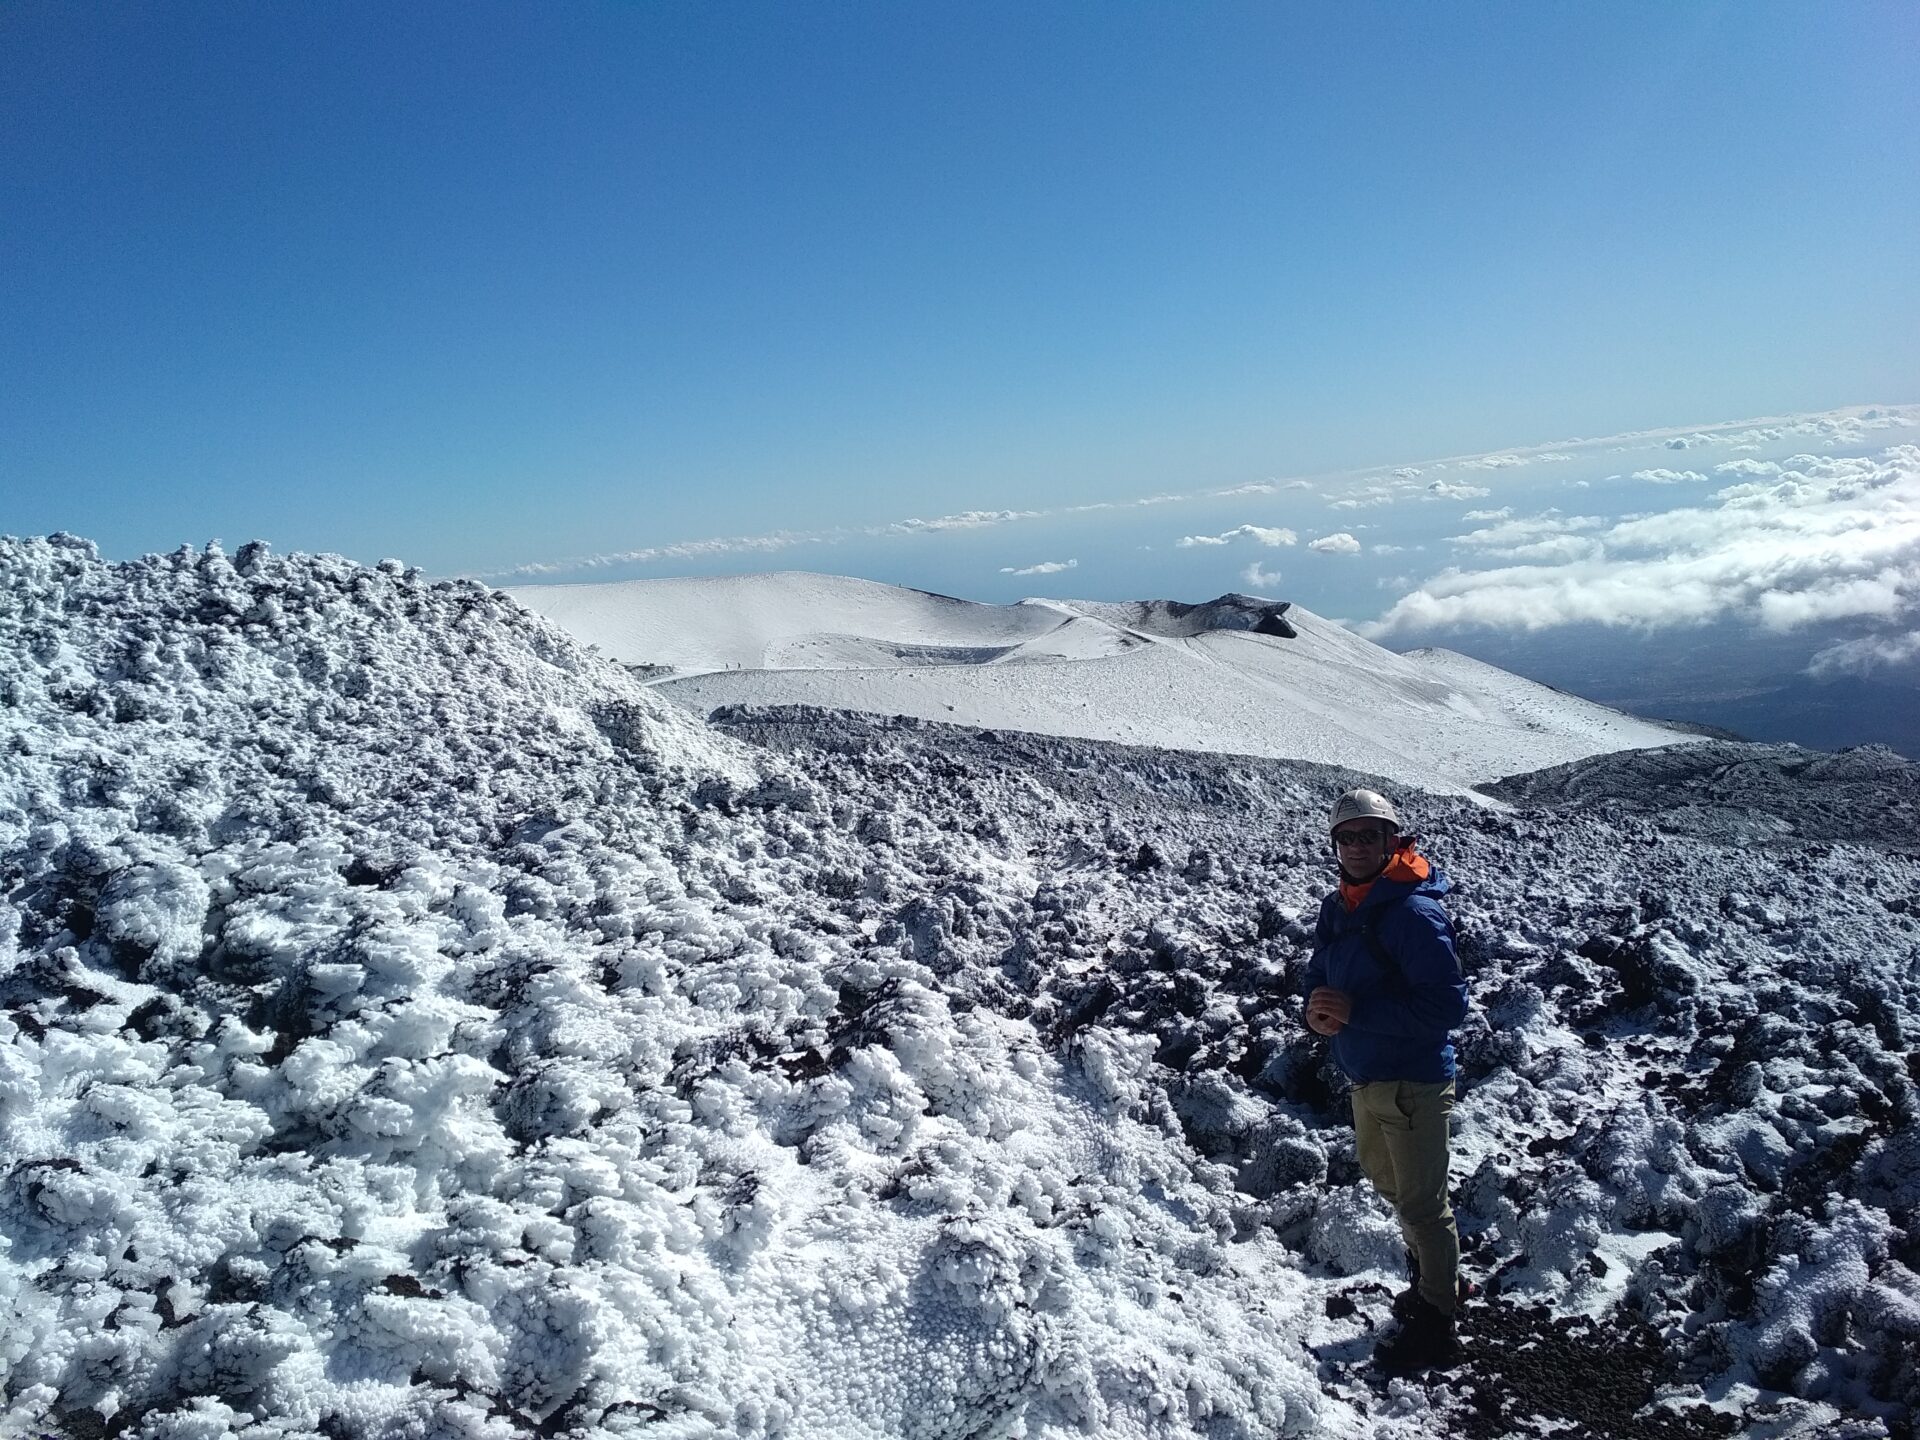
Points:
[[1385, 985]]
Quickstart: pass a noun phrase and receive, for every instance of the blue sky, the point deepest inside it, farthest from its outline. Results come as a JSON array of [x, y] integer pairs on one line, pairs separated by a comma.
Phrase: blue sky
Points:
[[484, 286]]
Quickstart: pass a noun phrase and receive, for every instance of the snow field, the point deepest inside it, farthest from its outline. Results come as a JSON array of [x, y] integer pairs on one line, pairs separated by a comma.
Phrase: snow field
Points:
[[1192, 677], [786, 620]]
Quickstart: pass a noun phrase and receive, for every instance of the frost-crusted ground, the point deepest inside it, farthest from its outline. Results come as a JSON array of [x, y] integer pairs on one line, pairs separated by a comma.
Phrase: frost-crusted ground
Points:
[[410, 1027], [1688, 1166], [1779, 795]]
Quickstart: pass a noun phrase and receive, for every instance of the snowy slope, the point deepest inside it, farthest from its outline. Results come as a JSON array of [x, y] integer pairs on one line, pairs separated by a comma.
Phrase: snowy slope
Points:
[[1148, 673], [410, 1025], [795, 620]]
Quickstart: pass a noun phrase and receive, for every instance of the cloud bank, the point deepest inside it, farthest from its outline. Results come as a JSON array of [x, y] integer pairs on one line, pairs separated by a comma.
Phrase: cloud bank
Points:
[[1351, 490], [1826, 539]]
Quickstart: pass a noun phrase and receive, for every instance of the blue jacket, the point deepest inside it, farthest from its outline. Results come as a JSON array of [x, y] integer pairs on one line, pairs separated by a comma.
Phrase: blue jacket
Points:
[[1403, 1015]]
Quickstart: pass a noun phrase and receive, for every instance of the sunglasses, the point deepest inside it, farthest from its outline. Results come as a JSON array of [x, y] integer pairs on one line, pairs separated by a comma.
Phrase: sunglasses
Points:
[[1359, 837]]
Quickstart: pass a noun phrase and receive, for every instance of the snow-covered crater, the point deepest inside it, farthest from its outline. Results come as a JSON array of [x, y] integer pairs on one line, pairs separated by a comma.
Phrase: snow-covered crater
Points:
[[1236, 675]]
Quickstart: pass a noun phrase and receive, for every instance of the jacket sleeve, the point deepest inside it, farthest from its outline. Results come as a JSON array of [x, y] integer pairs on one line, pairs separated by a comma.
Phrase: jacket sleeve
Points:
[[1317, 965], [1434, 999]]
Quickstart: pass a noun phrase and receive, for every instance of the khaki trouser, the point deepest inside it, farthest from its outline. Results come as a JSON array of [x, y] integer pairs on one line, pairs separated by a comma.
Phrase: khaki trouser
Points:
[[1400, 1131]]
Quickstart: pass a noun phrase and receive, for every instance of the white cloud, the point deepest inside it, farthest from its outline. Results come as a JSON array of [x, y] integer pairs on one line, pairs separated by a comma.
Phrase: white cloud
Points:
[[1387, 549], [1862, 656], [1406, 472], [680, 550], [1364, 498], [1554, 549], [1509, 460], [965, 520], [1252, 487], [1045, 567], [1830, 538], [1852, 429], [1263, 534], [1669, 477], [1260, 579], [764, 544], [1338, 543], [1838, 428], [1747, 467], [1447, 490], [1878, 597], [1500, 538], [1297, 485], [1502, 513], [1128, 504]]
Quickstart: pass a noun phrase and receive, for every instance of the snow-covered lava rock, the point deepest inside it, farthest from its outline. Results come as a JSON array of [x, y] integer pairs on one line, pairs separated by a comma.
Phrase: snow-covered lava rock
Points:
[[411, 1026], [408, 1025], [1688, 1159]]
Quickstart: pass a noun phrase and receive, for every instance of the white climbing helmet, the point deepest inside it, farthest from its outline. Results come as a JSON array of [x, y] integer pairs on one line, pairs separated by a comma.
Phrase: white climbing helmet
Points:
[[1363, 805]]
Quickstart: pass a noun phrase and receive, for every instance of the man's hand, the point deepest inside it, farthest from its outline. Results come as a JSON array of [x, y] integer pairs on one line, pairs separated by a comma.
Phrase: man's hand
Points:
[[1328, 1011]]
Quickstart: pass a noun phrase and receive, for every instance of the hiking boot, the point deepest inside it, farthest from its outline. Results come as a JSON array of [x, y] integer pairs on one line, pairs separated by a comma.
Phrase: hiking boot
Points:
[[1404, 1302], [1424, 1341]]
